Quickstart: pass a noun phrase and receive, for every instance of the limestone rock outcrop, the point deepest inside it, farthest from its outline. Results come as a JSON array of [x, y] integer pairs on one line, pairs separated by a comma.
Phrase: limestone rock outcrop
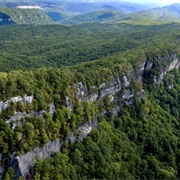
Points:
[[23, 164]]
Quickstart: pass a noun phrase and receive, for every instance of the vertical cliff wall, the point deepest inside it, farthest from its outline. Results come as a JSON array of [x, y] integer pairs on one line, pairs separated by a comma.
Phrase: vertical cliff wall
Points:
[[23, 164]]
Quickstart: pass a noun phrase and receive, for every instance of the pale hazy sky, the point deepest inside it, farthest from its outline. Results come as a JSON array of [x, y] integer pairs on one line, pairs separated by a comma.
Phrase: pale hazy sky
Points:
[[161, 2]]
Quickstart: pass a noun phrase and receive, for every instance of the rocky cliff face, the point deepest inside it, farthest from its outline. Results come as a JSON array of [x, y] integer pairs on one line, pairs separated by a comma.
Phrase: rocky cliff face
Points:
[[119, 86], [96, 93], [25, 100], [175, 63], [155, 71], [23, 164]]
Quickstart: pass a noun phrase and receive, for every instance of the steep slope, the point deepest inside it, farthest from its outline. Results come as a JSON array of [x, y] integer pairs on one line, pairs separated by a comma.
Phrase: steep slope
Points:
[[27, 16]]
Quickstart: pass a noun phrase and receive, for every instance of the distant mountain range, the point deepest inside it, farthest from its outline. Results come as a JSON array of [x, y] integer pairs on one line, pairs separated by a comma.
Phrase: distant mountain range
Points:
[[77, 6], [150, 16], [101, 16], [68, 12]]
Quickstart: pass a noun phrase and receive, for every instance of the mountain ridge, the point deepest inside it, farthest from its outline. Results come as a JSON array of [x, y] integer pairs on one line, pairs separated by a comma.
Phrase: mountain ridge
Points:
[[26, 16], [162, 15]]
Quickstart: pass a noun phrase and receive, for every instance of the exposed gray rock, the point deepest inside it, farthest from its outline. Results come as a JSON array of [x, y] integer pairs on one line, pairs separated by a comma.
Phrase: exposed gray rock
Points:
[[92, 97], [142, 66], [118, 79], [102, 86], [16, 99], [52, 108], [126, 82], [17, 116], [128, 94], [25, 100], [170, 86], [82, 131], [23, 164], [15, 120], [81, 91], [116, 110], [175, 63], [140, 71], [113, 81], [3, 106], [128, 102], [148, 65], [160, 78], [110, 91], [112, 98]]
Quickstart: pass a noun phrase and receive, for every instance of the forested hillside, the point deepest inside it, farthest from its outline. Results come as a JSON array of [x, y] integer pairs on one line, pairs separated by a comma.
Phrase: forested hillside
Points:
[[69, 13], [92, 100], [62, 9], [95, 16], [26, 47], [143, 142], [162, 15], [26, 16]]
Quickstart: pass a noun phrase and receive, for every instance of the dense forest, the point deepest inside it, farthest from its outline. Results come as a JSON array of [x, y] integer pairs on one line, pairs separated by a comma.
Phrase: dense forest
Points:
[[54, 46], [55, 78], [143, 142]]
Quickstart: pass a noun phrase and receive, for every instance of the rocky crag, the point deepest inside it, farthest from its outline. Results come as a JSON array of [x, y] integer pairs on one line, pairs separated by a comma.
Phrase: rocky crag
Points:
[[118, 86], [23, 164]]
